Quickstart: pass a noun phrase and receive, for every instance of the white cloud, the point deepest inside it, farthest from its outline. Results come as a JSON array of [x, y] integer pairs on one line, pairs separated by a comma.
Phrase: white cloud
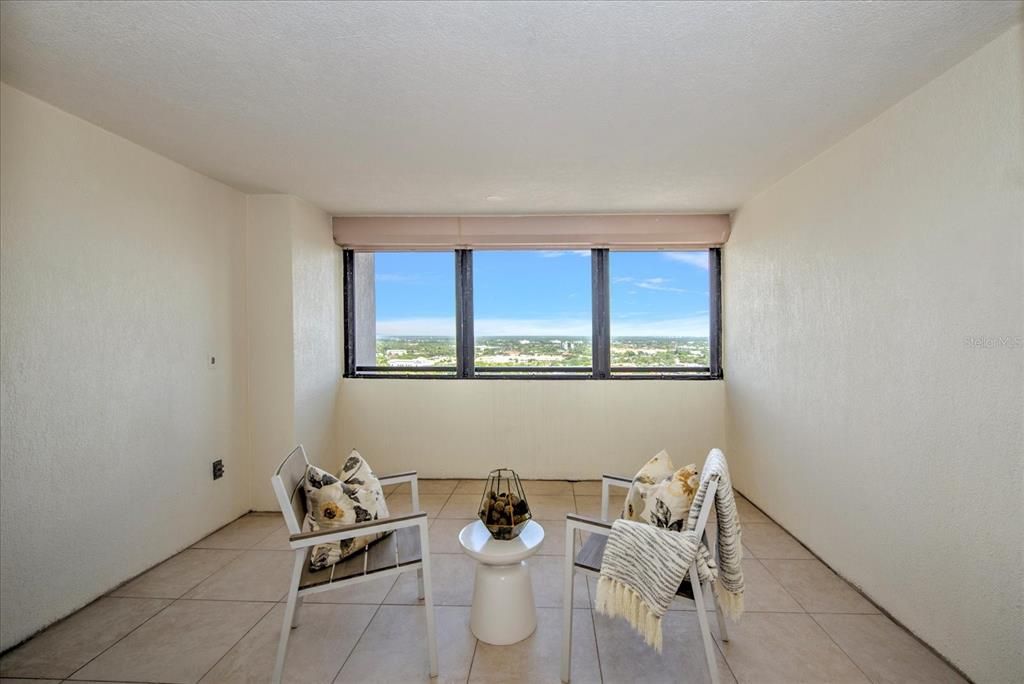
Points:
[[417, 326], [486, 326], [554, 254], [659, 284], [656, 284], [691, 326], [698, 259]]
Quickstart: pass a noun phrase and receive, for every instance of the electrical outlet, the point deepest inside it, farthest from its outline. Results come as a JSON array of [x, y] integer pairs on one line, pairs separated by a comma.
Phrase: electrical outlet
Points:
[[218, 469]]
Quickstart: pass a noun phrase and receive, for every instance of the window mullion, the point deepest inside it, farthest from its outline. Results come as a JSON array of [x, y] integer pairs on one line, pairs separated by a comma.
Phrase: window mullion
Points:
[[600, 293], [349, 310], [715, 292], [464, 340]]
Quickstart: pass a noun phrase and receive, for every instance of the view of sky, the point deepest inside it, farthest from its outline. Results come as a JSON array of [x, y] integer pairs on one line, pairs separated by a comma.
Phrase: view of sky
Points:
[[543, 293]]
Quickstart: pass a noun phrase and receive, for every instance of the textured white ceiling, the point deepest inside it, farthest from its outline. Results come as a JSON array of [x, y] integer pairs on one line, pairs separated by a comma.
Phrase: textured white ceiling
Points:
[[489, 107]]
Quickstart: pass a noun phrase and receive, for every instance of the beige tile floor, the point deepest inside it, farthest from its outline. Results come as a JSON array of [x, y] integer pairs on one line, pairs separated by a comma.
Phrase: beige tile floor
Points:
[[212, 613]]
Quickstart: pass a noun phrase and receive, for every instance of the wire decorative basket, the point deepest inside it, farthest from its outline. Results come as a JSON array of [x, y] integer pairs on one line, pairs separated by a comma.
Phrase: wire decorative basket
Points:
[[503, 507]]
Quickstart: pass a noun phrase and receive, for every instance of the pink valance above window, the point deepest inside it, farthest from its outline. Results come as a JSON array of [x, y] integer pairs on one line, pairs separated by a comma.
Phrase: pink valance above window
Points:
[[615, 231]]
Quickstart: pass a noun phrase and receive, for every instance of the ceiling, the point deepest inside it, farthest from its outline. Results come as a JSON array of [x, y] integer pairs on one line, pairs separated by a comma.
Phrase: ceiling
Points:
[[489, 107]]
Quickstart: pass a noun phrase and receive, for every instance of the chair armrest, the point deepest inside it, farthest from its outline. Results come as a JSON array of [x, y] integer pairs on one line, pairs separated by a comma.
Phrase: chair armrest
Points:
[[611, 481], [585, 523], [306, 539], [408, 476], [397, 478]]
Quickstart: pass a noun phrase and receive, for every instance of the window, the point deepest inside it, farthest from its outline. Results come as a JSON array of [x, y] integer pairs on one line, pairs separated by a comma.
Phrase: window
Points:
[[590, 314], [531, 312], [660, 312], [405, 313]]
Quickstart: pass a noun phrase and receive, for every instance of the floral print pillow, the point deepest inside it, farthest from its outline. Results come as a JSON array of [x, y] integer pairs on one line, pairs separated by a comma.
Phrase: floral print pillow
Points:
[[660, 495], [354, 495], [657, 469]]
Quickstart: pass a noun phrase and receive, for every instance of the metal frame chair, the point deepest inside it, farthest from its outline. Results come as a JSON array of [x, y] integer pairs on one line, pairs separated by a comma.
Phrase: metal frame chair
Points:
[[588, 562], [408, 548]]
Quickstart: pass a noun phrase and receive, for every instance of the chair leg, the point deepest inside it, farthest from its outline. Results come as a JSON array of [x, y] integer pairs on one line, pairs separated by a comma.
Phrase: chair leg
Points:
[[723, 630], [567, 600], [289, 616], [713, 547], [705, 629], [428, 600]]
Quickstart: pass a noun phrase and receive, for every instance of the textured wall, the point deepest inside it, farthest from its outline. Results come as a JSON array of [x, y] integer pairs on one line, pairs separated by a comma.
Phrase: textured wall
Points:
[[316, 309], [541, 428], [294, 325], [120, 274], [861, 416], [268, 248]]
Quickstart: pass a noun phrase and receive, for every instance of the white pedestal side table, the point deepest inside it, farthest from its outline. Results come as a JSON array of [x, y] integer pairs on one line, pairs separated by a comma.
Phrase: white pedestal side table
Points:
[[503, 611]]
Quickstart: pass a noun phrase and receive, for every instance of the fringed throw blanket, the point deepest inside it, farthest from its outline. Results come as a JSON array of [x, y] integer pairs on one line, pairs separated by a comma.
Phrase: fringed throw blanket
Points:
[[644, 565], [727, 582]]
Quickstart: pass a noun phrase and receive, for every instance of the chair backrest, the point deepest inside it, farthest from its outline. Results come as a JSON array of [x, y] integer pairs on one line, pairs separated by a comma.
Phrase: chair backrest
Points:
[[706, 506], [713, 467], [287, 483]]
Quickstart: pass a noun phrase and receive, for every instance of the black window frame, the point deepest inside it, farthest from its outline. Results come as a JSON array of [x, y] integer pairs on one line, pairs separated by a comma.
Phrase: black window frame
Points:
[[601, 368]]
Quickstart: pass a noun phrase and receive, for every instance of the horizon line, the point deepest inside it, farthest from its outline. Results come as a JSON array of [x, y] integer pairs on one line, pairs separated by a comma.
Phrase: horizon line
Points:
[[484, 337]]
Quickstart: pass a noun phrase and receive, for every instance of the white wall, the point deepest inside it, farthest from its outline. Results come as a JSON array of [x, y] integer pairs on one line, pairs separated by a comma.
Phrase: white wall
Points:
[[860, 417], [316, 307], [541, 428], [294, 328], [120, 274], [268, 248]]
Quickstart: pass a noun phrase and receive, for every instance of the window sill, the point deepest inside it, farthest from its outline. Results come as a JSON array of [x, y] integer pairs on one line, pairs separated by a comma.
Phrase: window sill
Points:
[[523, 376]]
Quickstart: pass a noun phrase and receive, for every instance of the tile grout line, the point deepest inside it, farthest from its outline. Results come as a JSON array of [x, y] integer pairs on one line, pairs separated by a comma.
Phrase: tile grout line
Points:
[[597, 645], [239, 640], [781, 585], [721, 650], [841, 649], [448, 497], [206, 577], [117, 681], [472, 659], [269, 610], [385, 598], [126, 635], [271, 533], [360, 639], [172, 600], [802, 607], [123, 681], [591, 600], [222, 600], [878, 607], [593, 626]]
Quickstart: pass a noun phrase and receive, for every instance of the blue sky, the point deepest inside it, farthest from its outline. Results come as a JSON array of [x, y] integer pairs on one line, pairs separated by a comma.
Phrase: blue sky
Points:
[[543, 293]]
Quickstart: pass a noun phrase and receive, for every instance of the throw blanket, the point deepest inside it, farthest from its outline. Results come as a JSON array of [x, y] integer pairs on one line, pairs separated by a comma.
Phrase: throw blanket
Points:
[[643, 565]]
